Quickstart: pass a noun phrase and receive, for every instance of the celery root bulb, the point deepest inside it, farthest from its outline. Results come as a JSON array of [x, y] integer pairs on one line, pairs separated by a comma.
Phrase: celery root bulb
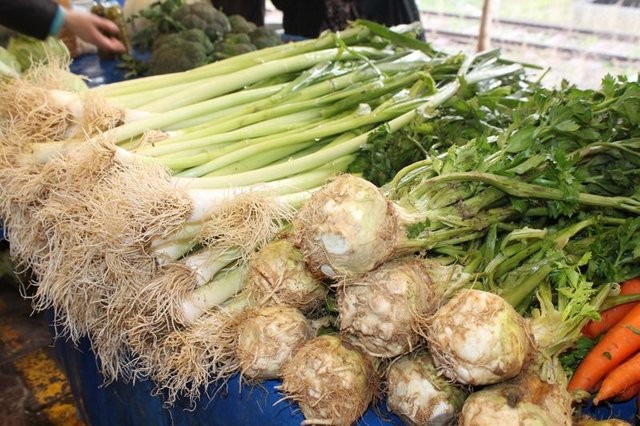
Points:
[[347, 227], [524, 400], [477, 338], [278, 276], [332, 382], [419, 395], [490, 407], [267, 337], [383, 311]]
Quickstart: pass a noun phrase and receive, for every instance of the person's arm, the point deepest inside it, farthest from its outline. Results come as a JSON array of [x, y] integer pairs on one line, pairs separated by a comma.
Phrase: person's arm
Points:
[[41, 18], [93, 29], [30, 17]]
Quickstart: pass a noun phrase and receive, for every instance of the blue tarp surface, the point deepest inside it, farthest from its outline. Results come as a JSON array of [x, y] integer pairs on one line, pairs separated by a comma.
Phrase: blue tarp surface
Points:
[[97, 71]]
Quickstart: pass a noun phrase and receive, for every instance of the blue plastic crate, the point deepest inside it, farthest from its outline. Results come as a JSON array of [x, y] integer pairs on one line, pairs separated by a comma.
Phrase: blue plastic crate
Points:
[[127, 404]]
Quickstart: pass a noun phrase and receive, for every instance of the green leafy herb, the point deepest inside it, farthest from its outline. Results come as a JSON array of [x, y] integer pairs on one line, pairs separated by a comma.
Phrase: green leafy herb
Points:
[[572, 358]]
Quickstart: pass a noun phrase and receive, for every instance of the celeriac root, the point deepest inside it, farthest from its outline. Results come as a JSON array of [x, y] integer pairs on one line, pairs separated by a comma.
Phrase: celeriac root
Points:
[[278, 276], [330, 380]]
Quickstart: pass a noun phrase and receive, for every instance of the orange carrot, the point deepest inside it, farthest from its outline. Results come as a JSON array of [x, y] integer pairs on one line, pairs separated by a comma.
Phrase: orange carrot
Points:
[[619, 379], [620, 342], [631, 392], [611, 316]]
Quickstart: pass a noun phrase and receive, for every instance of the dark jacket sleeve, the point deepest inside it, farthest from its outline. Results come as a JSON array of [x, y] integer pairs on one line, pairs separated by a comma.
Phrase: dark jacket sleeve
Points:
[[30, 17], [389, 12], [301, 17]]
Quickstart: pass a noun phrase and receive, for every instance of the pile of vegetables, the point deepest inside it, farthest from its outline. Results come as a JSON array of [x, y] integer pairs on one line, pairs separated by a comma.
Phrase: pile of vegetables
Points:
[[349, 214], [177, 36]]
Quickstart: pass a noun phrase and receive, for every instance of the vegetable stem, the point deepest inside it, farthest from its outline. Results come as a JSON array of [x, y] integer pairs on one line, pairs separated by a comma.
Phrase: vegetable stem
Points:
[[528, 190]]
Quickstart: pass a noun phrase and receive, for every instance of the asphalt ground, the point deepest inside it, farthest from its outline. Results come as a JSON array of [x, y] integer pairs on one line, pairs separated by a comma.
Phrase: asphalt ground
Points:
[[33, 387]]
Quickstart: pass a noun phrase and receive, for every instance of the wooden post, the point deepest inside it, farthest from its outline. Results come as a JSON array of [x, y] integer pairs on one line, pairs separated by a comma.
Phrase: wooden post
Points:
[[484, 37]]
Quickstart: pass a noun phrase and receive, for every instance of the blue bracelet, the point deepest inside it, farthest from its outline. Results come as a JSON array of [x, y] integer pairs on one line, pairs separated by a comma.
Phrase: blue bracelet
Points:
[[56, 24]]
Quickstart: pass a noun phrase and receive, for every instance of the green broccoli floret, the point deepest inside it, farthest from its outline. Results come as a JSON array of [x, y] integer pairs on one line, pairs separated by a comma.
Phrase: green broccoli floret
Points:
[[263, 37], [198, 36], [179, 52], [153, 20], [237, 38], [233, 44], [240, 25], [226, 50], [204, 16]]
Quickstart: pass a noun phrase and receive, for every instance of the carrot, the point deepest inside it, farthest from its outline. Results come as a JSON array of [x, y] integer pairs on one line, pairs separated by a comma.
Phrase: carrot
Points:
[[620, 379], [631, 392], [620, 342], [611, 316]]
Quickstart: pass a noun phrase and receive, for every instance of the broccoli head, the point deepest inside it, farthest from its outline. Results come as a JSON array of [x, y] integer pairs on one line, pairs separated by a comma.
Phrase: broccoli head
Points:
[[204, 16], [179, 52], [196, 35], [237, 38], [240, 25], [224, 50], [233, 45], [152, 20], [263, 37]]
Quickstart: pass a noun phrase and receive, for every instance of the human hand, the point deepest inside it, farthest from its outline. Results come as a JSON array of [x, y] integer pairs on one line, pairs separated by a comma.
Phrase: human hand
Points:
[[94, 29]]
